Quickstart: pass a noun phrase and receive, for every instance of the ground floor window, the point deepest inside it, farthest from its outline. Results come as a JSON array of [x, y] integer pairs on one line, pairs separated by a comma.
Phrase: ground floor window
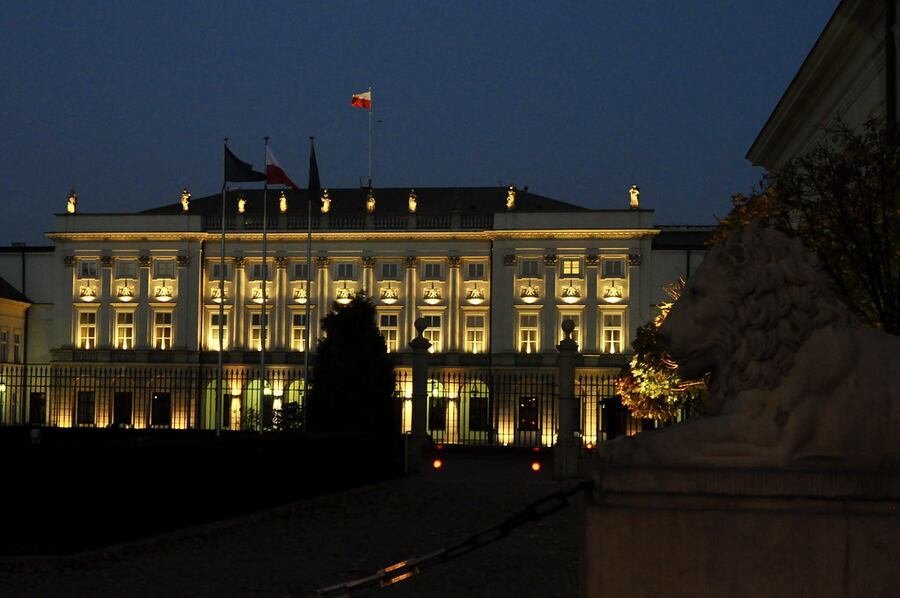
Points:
[[124, 329], [528, 333], [218, 324], [161, 409], [87, 329], [85, 409], [390, 330], [475, 334], [612, 333], [298, 332], [432, 332], [162, 330]]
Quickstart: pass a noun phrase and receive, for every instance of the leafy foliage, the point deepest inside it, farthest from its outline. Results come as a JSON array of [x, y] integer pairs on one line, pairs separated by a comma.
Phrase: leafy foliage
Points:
[[843, 201], [353, 379], [649, 385]]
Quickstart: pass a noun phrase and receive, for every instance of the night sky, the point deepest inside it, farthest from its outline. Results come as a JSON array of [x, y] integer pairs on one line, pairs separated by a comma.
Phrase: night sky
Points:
[[129, 102]]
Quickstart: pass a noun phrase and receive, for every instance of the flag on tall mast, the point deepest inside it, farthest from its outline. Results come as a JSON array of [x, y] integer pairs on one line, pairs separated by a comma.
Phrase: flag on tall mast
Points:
[[364, 100]]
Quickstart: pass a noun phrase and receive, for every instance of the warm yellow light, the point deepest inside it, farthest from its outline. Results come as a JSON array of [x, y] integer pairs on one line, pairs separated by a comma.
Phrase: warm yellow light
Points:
[[344, 296], [529, 294], [326, 202], [612, 294], [437, 464], [535, 466], [571, 294], [475, 296], [282, 203], [164, 293], [300, 295], [432, 295], [88, 294], [2, 386], [242, 205], [258, 296], [389, 295]]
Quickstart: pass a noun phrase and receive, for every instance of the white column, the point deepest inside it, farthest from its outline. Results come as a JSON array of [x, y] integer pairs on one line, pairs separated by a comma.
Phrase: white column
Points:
[[141, 316], [549, 311], [183, 301], [105, 323], [453, 323], [409, 296], [589, 319], [280, 319], [237, 324]]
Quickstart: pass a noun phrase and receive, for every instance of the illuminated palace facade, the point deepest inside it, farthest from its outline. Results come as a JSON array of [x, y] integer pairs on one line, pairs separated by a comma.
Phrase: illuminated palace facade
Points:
[[493, 271]]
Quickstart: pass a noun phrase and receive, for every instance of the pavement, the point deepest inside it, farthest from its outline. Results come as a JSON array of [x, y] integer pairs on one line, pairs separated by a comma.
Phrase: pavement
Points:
[[299, 548]]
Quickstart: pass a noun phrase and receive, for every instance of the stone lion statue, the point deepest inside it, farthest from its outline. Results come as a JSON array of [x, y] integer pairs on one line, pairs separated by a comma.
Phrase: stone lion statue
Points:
[[794, 380]]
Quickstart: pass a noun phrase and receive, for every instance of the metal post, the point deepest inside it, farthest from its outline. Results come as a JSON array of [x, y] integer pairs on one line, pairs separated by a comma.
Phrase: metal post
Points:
[[567, 449]]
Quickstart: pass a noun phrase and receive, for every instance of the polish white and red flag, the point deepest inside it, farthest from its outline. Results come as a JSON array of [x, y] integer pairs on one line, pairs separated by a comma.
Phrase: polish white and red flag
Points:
[[275, 174], [362, 100]]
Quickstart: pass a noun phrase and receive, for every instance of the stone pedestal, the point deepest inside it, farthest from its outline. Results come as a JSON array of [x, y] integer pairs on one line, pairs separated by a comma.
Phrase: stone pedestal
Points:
[[742, 532]]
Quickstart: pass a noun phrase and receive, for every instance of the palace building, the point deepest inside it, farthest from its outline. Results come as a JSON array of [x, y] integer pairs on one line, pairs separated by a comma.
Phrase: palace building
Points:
[[494, 271]]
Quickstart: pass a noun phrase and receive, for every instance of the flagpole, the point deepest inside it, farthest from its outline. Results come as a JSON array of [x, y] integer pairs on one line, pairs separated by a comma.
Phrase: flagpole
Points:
[[306, 347], [219, 411], [264, 324], [371, 133]]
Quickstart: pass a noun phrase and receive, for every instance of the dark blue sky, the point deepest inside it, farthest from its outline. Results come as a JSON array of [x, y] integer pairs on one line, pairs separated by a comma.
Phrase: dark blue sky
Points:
[[128, 102]]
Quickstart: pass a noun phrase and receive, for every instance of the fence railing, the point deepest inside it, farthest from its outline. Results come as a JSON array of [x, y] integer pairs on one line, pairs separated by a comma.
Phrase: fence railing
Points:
[[148, 397], [472, 407]]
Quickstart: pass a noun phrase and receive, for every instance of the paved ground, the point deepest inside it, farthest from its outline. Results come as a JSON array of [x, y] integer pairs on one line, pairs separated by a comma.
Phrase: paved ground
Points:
[[295, 550]]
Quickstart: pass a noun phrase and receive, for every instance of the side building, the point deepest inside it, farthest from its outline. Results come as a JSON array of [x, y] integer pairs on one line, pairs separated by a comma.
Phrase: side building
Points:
[[138, 302]]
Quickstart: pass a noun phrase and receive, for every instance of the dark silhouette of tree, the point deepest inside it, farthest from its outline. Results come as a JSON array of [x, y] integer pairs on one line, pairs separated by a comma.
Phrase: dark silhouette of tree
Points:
[[843, 201], [353, 380]]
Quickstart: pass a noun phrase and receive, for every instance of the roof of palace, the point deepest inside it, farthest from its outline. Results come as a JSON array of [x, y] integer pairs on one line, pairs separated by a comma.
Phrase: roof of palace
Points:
[[392, 200], [7, 291]]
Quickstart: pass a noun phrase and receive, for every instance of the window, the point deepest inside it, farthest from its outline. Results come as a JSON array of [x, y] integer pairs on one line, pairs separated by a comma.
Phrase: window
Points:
[[298, 331], [390, 271], [4, 346], [124, 330], [87, 329], [257, 323], [613, 268], [299, 271], [217, 321], [218, 271], [528, 333], [433, 333], [528, 414], [87, 268], [161, 409], [571, 267], [528, 268], [17, 347], [576, 332], [612, 333], [256, 272], [474, 334], [162, 330], [388, 324], [122, 408], [163, 268], [84, 408], [126, 269], [345, 271], [475, 271], [432, 271]]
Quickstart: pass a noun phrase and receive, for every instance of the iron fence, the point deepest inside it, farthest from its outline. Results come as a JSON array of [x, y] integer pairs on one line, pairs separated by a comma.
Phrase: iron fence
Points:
[[168, 397], [471, 407]]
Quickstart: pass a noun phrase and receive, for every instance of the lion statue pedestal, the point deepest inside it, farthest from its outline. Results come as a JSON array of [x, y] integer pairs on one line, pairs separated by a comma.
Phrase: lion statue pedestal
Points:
[[790, 486]]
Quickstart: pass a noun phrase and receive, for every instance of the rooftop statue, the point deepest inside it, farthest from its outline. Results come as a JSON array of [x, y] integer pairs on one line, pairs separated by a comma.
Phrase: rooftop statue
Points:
[[794, 380]]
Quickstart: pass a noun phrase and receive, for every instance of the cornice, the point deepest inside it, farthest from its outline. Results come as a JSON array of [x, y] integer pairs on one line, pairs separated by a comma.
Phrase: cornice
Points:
[[380, 235], [130, 236]]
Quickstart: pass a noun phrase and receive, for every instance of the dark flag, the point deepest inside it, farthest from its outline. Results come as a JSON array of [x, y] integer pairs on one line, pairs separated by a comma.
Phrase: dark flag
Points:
[[314, 185], [236, 170]]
